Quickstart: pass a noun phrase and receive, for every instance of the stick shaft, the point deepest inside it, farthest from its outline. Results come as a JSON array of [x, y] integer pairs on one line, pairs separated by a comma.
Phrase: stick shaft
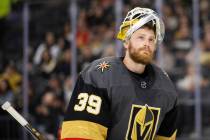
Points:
[[34, 132], [7, 106]]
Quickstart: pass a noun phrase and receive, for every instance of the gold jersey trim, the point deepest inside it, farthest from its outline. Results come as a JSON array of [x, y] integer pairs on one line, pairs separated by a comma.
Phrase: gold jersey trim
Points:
[[83, 129]]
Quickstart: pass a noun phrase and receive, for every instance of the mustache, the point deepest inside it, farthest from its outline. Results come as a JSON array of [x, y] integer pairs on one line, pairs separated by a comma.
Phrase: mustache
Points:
[[140, 48], [145, 49]]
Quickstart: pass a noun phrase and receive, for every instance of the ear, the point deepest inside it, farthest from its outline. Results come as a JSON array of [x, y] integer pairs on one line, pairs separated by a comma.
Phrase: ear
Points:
[[126, 44]]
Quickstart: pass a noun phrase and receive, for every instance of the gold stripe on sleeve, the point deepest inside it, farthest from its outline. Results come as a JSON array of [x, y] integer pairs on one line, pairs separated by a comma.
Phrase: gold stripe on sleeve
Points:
[[83, 129]]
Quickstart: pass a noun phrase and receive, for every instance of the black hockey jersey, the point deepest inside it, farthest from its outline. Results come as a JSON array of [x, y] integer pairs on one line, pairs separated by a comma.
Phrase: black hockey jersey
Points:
[[108, 103]]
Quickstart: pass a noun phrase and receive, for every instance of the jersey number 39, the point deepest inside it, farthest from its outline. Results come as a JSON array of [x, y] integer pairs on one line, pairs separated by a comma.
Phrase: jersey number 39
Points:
[[91, 103]]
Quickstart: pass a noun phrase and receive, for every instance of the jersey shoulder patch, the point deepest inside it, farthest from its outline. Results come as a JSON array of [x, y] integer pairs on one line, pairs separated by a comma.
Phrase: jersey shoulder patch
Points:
[[103, 66], [100, 71]]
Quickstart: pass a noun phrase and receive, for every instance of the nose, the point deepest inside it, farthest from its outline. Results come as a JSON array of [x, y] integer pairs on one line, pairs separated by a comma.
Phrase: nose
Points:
[[147, 44]]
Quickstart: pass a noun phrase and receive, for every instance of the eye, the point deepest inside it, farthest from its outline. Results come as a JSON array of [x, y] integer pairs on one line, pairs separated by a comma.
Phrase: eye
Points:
[[140, 37], [151, 40]]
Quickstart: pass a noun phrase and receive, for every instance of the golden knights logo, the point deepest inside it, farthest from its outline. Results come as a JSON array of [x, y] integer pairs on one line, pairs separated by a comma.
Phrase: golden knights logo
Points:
[[143, 122]]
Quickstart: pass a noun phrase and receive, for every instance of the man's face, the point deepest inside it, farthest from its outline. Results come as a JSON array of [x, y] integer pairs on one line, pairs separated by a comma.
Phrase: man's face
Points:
[[141, 46]]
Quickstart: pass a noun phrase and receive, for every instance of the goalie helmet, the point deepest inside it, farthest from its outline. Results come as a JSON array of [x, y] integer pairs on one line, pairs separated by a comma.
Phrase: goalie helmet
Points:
[[138, 17]]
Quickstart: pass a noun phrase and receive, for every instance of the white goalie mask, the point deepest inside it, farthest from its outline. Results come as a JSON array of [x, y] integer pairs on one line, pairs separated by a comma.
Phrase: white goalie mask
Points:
[[138, 17]]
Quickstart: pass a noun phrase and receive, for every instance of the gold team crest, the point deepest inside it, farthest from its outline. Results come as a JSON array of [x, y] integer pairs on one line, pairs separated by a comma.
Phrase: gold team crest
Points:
[[143, 122], [103, 66]]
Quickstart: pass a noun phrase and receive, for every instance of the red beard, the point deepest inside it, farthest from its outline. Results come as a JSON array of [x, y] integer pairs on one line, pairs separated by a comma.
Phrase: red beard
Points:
[[140, 55]]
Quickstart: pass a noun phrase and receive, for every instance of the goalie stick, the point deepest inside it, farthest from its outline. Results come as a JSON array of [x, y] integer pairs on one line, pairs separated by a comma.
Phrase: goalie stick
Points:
[[7, 106]]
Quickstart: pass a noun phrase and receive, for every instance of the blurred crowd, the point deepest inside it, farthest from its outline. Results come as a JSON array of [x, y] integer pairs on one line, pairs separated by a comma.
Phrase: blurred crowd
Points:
[[50, 54]]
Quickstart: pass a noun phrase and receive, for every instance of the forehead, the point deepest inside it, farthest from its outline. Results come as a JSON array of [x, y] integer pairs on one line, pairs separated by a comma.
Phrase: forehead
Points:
[[144, 31]]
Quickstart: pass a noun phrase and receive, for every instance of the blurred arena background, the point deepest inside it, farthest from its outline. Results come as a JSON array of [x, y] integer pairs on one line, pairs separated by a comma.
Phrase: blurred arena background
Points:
[[45, 43]]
